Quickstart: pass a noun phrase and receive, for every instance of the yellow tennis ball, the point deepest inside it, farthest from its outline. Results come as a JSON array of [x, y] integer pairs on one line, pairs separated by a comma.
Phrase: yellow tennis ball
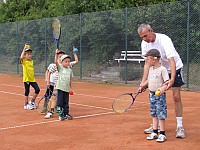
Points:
[[27, 46], [157, 93]]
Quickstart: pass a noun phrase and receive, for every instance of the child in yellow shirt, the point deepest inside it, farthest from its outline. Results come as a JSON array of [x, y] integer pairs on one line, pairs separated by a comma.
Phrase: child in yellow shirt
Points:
[[29, 77]]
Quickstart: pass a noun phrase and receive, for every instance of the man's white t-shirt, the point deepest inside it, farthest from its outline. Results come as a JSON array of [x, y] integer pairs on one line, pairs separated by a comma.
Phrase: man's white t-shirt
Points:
[[166, 48]]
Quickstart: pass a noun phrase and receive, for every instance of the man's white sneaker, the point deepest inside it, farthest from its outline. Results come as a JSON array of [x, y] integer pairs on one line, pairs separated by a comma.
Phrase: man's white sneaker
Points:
[[48, 115], [161, 138], [180, 132], [150, 129], [152, 136]]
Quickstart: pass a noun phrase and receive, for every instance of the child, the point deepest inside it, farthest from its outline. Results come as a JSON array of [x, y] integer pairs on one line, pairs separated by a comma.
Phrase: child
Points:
[[52, 70], [157, 76], [28, 77], [49, 89], [63, 86]]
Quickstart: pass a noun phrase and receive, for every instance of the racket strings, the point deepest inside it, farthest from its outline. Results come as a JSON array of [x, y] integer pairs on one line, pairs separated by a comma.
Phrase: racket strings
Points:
[[56, 28], [122, 103]]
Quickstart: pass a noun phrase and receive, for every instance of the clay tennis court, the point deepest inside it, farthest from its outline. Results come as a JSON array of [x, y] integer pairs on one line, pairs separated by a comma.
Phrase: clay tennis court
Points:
[[95, 125]]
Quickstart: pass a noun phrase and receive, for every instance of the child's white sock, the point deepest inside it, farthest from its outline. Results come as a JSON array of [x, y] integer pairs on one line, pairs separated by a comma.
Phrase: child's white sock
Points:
[[179, 121]]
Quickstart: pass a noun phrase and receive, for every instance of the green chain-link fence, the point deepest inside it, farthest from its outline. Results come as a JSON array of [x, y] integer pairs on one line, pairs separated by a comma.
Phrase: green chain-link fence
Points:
[[100, 38]]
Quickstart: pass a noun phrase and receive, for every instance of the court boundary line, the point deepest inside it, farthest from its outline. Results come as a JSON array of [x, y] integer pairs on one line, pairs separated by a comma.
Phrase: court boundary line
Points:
[[52, 121], [95, 96], [70, 102]]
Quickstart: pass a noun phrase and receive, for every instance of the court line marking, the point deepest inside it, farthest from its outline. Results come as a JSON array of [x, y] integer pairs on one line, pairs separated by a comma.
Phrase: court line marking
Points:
[[102, 97], [78, 117], [91, 106], [52, 121], [12, 85], [70, 102]]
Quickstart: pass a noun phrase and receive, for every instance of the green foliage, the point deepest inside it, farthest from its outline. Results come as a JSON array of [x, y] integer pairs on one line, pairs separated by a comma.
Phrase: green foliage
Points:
[[15, 10], [103, 32]]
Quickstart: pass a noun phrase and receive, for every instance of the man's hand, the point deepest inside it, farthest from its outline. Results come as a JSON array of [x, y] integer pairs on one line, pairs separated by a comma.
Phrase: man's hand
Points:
[[169, 84]]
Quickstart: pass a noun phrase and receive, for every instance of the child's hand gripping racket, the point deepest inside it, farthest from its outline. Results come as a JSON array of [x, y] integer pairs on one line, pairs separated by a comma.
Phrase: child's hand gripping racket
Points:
[[56, 31], [44, 104], [123, 102]]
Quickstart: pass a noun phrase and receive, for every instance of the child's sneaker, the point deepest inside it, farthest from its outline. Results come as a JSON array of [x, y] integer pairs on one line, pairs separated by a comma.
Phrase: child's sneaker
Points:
[[180, 132], [150, 129], [69, 117], [61, 118], [48, 115], [152, 136], [26, 106], [32, 105], [161, 138]]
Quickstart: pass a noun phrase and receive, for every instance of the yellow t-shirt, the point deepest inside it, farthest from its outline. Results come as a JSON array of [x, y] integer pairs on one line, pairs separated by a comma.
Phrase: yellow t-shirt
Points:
[[28, 70]]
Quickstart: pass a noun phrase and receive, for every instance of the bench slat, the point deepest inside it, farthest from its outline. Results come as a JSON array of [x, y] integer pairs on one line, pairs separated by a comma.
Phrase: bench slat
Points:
[[131, 52], [131, 55]]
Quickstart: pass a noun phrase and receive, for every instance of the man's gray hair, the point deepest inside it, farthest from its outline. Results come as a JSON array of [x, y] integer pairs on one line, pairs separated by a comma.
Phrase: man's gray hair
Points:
[[142, 26]]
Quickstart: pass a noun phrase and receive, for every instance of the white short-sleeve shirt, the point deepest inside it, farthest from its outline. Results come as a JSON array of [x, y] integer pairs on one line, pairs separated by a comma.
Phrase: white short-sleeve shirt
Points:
[[166, 48]]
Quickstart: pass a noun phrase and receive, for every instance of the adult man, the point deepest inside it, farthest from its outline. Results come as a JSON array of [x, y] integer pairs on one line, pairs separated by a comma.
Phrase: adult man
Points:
[[171, 60]]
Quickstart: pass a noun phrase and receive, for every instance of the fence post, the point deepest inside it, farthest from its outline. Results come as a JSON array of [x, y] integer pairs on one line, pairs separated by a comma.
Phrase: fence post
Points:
[[188, 43], [81, 73], [17, 47], [45, 42], [126, 39]]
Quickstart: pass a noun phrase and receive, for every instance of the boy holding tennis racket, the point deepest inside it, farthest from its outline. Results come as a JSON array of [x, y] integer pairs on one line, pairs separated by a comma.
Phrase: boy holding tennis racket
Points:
[[52, 69], [50, 79], [63, 86], [29, 77], [49, 91], [157, 76]]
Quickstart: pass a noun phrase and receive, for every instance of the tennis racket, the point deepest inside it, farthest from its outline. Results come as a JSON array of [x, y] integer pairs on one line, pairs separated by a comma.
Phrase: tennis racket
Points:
[[124, 102], [44, 104], [56, 31]]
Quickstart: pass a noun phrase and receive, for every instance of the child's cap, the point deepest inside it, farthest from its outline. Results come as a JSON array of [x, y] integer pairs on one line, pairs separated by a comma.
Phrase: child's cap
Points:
[[60, 52], [64, 56], [28, 50], [153, 53]]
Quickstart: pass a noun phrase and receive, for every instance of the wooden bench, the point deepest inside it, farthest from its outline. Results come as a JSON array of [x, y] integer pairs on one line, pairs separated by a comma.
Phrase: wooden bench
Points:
[[131, 56]]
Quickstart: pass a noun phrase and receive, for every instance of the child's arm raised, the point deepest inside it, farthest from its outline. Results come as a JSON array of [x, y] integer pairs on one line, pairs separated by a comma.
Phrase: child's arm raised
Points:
[[72, 63], [23, 52], [56, 58], [75, 57]]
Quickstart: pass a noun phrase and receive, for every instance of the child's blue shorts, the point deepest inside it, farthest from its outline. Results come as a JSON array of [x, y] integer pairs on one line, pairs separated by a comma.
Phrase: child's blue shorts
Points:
[[158, 106]]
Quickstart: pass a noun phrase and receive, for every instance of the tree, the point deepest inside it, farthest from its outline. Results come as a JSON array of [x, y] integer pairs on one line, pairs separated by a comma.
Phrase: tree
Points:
[[15, 10]]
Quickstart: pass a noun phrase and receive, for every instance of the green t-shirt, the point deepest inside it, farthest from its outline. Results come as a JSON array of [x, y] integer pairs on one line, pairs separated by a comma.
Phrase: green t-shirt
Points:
[[64, 77]]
